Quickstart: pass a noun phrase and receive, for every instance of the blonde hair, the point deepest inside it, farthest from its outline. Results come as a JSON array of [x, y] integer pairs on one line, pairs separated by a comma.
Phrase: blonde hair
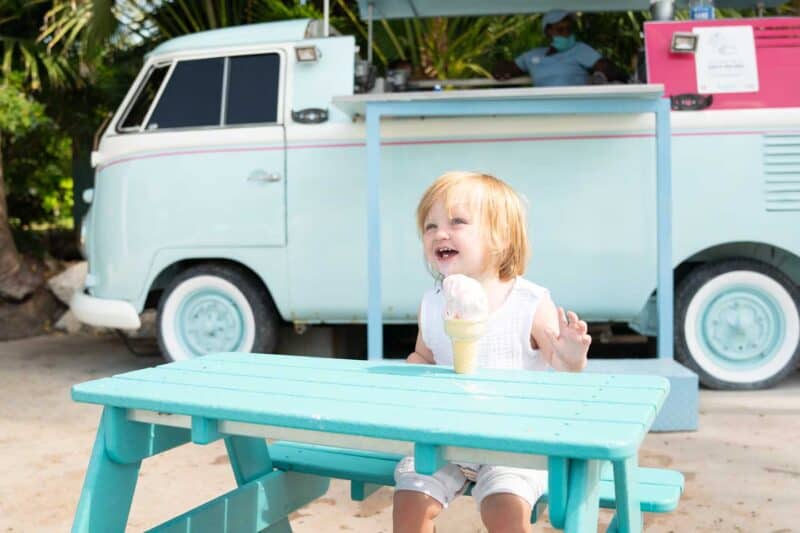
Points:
[[499, 209]]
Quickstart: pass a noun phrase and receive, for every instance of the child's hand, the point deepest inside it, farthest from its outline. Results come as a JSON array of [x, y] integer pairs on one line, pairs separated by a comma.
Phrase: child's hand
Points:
[[571, 345], [417, 359]]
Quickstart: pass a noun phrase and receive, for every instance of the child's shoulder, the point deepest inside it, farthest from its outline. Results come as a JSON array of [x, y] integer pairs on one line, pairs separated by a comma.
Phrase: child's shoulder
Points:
[[530, 290], [434, 294]]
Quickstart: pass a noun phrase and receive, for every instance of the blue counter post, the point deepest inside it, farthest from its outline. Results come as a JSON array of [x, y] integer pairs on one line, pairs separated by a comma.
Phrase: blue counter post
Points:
[[374, 313], [664, 295]]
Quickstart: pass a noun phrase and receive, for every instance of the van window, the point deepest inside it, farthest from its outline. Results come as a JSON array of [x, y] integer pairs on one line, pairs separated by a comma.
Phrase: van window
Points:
[[252, 95], [141, 105], [192, 96]]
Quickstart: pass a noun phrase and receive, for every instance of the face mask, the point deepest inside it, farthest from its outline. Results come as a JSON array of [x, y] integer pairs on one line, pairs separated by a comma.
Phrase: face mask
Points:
[[562, 44]]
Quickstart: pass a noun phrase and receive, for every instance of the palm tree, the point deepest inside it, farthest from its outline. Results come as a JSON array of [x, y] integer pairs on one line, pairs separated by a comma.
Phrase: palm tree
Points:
[[89, 25], [27, 61]]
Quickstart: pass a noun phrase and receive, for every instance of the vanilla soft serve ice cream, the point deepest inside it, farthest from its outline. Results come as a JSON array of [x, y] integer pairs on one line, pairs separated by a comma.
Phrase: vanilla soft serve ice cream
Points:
[[464, 298], [466, 311]]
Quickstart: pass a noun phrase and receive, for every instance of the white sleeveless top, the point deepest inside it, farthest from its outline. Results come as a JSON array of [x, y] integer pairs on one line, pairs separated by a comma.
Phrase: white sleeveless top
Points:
[[507, 343]]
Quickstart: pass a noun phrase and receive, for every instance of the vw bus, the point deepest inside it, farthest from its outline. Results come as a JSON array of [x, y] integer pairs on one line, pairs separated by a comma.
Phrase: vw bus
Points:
[[230, 195]]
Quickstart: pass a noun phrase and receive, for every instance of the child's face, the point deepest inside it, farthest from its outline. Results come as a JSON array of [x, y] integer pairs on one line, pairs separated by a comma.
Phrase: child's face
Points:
[[453, 241]]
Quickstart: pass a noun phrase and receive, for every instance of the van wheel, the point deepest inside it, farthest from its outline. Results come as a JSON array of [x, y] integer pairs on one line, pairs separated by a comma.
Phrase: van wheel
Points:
[[215, 308], [737, 324]]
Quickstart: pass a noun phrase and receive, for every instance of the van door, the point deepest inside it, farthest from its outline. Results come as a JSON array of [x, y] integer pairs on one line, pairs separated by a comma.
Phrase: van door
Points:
[[220, 126]]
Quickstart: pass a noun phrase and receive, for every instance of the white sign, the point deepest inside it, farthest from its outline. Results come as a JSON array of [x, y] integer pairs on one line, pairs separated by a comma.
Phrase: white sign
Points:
[[726, 60]]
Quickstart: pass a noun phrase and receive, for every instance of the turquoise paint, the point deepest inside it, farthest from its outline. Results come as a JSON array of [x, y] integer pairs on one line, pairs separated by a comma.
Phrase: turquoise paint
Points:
[[108, 488], [316, 407], [130, 442], [659, 489], [209, 321], [260, 505], [204, 430], [583, 500], [629, 512], [741, 327], [428, 459], [360, 491], [182, 388], [249, 458]]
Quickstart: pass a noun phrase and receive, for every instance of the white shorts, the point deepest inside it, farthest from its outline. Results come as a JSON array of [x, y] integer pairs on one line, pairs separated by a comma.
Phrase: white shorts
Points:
[[450, 481]]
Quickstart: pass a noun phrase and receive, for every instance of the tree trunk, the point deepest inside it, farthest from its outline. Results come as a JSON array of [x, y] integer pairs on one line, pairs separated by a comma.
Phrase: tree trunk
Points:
[[9, 258], [16, 280]]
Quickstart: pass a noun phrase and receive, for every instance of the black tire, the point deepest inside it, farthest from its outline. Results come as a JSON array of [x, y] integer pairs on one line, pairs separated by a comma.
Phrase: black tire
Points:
[[737, 325], [215, 307]]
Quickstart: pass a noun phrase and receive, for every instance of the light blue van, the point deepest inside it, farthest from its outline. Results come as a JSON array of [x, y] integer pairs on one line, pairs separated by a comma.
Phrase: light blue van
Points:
[[230, 195]]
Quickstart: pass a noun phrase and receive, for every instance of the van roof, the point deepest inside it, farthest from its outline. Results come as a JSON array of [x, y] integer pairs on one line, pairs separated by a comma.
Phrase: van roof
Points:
[[245, 35]]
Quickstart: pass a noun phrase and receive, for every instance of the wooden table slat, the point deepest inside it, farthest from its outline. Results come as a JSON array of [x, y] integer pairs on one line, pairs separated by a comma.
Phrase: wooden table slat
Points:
[[422, 371], [501, 432], [281, 389]]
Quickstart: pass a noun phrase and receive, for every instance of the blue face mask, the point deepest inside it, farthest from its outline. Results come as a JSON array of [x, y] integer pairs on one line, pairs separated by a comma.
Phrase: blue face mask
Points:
[[562, 44]]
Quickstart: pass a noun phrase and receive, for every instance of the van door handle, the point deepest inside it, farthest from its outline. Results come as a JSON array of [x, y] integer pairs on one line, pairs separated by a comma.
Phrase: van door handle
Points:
[[260, 175]]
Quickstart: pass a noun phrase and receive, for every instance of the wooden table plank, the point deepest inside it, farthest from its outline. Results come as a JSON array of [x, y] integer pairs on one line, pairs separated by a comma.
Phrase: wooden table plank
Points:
[[354, 414], [281, 389], [426, 371], [420, 379]]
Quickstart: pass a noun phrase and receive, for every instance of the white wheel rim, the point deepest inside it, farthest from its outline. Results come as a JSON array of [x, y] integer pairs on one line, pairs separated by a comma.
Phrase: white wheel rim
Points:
[[750, 371], [228, 314]]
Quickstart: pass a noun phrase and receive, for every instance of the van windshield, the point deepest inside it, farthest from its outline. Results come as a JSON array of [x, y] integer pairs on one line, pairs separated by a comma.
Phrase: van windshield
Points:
[[138, 111]]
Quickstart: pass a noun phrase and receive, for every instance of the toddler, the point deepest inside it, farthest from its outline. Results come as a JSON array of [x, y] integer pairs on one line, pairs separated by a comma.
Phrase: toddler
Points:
[[474, 224]]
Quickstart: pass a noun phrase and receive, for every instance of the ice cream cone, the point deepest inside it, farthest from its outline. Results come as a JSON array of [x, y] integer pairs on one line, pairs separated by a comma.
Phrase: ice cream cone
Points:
[[465, 335]]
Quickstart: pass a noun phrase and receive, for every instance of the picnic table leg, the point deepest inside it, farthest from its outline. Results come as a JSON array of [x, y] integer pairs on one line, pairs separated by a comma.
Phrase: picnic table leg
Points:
[[107, 492], [249, 458], [558, 481], [583, 496], [628, 518]]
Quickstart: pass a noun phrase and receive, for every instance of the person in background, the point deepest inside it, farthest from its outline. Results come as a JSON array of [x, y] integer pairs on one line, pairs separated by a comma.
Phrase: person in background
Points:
[[566, 61]]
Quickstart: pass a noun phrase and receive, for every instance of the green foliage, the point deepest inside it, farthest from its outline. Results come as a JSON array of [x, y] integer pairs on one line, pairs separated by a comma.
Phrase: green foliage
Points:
[[36, 156], [19, 51], [440, 48], [19, 113], [90, 25]]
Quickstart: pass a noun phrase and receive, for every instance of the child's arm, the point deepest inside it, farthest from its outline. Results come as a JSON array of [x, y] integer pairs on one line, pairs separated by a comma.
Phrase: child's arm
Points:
[[421, 355], [564, 344]]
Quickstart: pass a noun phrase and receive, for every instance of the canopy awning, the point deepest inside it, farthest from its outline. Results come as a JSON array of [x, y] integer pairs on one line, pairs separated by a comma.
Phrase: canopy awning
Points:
[[398, 9]]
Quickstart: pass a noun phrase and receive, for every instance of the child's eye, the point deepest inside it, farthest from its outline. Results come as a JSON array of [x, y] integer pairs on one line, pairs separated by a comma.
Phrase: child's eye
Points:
[[458, 220], [429, 227]]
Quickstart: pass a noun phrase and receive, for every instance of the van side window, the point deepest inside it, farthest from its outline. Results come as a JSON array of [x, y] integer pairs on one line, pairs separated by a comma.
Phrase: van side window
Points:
[[192, 96], [252, 95], [141, 105]]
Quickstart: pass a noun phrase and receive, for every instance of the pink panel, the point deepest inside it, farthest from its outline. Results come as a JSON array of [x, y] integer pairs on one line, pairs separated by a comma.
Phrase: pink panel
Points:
[[777, 53]]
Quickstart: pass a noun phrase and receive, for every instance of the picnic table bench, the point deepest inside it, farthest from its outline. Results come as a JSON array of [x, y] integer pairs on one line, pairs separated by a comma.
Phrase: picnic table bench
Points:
[[354, 419]]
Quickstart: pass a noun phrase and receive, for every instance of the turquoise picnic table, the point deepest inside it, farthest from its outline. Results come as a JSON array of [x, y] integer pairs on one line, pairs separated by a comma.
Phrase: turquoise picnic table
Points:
[[568, 423]]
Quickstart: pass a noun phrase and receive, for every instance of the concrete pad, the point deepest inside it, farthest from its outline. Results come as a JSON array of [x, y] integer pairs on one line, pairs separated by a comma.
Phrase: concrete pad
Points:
[[741, 465]]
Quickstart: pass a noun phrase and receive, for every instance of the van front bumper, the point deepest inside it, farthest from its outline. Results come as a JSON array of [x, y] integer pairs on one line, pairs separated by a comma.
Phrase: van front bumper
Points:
[[104, 312]]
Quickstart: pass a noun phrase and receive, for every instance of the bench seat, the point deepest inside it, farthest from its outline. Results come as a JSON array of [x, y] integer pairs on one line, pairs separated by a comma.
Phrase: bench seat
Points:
[[659, 489]]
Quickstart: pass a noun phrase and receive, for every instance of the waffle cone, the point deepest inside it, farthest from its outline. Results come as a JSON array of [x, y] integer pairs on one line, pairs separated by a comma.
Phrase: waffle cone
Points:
[[465, 335]]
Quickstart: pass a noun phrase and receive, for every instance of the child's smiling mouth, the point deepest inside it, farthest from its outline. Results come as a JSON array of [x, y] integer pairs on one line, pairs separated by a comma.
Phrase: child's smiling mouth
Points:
[[445, 252]]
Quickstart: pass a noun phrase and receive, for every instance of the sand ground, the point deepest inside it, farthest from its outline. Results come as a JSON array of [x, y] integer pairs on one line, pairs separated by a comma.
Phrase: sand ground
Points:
[[742, 467]]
